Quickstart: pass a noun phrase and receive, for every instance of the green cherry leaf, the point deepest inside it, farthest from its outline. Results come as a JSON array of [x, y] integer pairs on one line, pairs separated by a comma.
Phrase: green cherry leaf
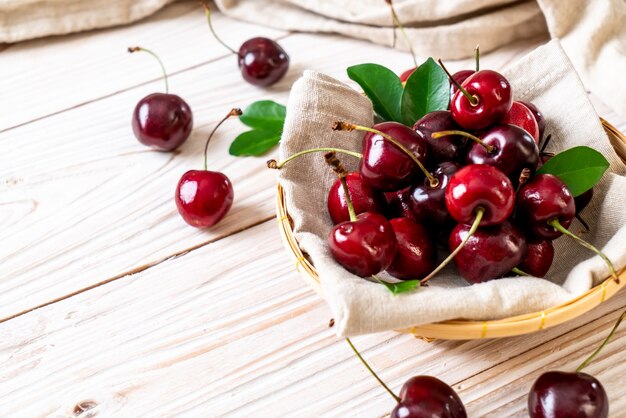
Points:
[[254, 143], [580, 168], [265, 115], [400, 287], [426, 90], [382, 86]]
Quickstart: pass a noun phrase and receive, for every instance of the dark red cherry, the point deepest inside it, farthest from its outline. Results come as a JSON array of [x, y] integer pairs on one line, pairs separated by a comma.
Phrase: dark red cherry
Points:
[[426, 396], [513, 149], [520, 115], [203, 197], [364, 247], [416, 254], [386, 167], [479, 185], [162, 121], [538, 258], [490, 253], [567, 395], [543, 198], [398, 204], [364, 199], [262, 61], [491, 100], [406, 74], [459, 77], [446, 148], [541, 121], [582, 200], [427, 204]]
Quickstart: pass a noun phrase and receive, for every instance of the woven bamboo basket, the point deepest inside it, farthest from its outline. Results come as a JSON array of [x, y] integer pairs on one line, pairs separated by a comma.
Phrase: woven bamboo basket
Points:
[[466, 329]]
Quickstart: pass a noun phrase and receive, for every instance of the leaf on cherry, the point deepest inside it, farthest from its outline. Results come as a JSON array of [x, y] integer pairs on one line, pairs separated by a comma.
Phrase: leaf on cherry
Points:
[[382, 86], [427, 89]]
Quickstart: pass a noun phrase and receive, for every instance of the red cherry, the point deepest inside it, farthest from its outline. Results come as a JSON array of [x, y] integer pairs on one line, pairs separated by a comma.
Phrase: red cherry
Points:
[[365, 246], [490, 253], [445, 148], [543, 198], [406, 74], [203, 197], [364, 199], [538, 258], [520, 115], [416, 254], [459, 77], [561, 395], [479, 185], [262, 61], [491, 99], [426, 396], [427, 204], [398, 204], [541, 121]]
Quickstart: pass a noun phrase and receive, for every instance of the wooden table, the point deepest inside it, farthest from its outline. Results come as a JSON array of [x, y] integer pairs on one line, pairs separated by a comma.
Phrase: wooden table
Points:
[[112, 306]]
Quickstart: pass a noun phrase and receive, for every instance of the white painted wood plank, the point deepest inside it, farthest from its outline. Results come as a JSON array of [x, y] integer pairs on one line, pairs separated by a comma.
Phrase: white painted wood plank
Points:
[[49, 75], [232, 330]]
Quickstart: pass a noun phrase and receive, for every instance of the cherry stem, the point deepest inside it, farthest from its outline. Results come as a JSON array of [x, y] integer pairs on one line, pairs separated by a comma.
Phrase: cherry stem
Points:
[[397, 22], [367, 366], [278, 165], [333, 161], [583, 222], [605, 342], [477, 57], [345, 126], [480, 211], [545, 143], [489, 148], [519, 272], [138, 48], [557, 225], [472, 98], [207, 11], [233, 112]]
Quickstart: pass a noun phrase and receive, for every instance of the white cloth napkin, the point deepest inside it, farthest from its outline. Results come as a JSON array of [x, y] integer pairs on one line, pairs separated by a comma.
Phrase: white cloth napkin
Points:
[[545, 77]]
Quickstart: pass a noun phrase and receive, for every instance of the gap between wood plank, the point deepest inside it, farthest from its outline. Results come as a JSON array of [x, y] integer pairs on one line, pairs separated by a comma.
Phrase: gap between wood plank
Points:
[[106, 96], [135, 270]]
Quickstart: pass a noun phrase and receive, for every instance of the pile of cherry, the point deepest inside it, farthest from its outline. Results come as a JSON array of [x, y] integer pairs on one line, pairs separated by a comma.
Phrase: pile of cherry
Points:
[[465, 176]]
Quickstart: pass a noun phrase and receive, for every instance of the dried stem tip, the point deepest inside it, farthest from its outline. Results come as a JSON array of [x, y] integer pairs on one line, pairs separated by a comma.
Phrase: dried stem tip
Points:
[[333, 161], [273, 164], [132, 49], [343, 126], [524, 176]]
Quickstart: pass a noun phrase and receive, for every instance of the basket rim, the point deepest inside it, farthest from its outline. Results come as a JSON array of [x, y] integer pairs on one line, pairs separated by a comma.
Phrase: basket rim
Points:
[[462, 329]]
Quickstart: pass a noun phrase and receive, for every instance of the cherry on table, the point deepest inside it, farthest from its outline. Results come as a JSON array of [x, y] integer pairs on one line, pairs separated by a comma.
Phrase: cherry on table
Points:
[[416, 253], [162, 121], [520, 115], [364, 198], [204, 197], [443, 148], [262, 61], [427, 396]]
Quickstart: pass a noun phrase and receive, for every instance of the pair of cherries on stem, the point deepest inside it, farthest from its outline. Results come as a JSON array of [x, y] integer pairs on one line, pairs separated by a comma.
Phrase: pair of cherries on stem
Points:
[[262, 61]]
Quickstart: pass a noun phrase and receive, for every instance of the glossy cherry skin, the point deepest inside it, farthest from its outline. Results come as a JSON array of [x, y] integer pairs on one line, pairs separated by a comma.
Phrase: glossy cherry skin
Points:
[[479, 185], [364, 247], [162, 121], [582, 200], [493, 92], [364, 199], [427, 396], [428, 204], [538, 258], [459, 77], [446, 148], [203, 197], [490, 253], [406, 74], [541, 120], [416, 254], [514, 150], [262, 61], [542, 199], [520, 115], [386, 167], [567, 395], [398, 204]]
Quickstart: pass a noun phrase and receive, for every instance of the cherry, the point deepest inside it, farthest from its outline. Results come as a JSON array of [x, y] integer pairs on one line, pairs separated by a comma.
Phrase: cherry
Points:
[[364, 199], [398, 204], [416, 254], [427, 204], [459, 77], [483, 99], [204, 197], [162, 121], [506, 147], [479, 185], [490, 252], [538, 258], [393, 155], [262, 61], [427, 396], [520, 115], [406, 74], [444, 148], [541, 121]]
